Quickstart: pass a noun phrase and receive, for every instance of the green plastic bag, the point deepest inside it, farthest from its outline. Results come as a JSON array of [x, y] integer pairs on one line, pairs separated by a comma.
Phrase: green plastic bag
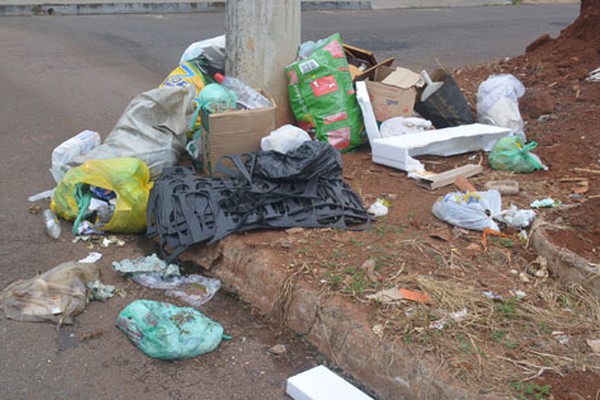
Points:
[[129, 178], [511, 154], [167, 332], [322, 96]]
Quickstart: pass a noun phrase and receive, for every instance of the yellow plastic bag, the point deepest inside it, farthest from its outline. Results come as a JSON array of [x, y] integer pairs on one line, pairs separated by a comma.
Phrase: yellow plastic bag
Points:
[[129, 178]]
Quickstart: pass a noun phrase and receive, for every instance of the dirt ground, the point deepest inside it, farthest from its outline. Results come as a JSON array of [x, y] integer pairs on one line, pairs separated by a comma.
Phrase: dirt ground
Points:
[[496, 319]]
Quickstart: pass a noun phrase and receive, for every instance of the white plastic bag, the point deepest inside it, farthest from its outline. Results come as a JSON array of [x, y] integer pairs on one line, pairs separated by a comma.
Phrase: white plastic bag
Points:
[[498, 102], [475, 210], [212, 49], [403, 125], [516, 218], [152, 129], [78, 145], [284, 139]]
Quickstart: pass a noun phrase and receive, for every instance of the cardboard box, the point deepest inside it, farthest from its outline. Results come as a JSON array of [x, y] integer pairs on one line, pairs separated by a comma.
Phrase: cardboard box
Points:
[[235, 132], [393, 92], [356, 55]]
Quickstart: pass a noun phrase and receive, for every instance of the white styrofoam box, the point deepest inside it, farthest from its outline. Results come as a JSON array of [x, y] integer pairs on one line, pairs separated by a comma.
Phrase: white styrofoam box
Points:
[[320, 383], [398, 151]]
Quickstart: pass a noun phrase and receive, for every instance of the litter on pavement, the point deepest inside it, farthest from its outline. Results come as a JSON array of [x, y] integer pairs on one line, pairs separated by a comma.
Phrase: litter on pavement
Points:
[[56, 295], [167, 332]]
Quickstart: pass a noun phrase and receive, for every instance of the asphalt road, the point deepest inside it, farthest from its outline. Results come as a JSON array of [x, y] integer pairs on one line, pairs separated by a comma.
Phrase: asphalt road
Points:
[[61, 75]]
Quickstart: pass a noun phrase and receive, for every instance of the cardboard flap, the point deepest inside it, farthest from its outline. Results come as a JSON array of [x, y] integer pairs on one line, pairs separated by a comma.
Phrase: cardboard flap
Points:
[[403, 78]]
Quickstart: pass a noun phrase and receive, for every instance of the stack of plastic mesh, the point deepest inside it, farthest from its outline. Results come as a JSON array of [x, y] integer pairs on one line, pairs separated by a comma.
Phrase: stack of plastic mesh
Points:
[[303, 188]]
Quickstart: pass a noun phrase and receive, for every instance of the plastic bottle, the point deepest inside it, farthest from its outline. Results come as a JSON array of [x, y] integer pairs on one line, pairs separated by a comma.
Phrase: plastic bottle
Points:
[[80, 144], [52, 224], [247, 97]]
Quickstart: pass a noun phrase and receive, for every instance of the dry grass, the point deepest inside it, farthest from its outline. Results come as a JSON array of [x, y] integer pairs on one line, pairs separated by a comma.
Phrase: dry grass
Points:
[[484, 342]]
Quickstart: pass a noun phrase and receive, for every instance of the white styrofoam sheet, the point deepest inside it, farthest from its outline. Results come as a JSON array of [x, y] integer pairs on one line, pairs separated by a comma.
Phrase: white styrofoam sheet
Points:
[[320, 383], [398, 151]]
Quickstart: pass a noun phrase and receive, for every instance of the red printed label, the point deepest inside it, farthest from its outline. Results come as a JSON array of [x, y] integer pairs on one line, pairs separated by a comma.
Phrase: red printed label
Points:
[[340, 139], [324, 85], [335, 49], [330, 119], [292, 77]]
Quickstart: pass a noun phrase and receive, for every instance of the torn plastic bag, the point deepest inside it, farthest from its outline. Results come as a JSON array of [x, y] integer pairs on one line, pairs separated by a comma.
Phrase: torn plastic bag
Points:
[[498, 102], [168, 332], [56, 295], [127, 177], [152, 128], [150, 265], [154, 273], [516, 218], [193, 289], [474, 210]]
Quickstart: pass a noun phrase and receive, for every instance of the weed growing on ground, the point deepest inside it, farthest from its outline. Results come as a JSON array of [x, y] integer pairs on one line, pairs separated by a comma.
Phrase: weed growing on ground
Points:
[[527, 390]]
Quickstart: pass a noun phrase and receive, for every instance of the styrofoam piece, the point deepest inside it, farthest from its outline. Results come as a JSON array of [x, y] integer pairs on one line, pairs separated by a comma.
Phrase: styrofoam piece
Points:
[[362, 95], [398, 151], [320, 383]]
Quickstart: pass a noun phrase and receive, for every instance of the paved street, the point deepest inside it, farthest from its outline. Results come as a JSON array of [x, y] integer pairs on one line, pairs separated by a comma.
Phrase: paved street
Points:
[[61, 75]]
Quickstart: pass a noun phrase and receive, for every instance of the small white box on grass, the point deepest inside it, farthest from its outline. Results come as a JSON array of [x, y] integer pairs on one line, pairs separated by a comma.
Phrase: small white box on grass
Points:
[[320, 383]]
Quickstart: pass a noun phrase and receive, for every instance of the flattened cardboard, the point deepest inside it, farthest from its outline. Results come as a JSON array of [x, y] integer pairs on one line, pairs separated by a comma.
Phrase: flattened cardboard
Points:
[[235, 132]]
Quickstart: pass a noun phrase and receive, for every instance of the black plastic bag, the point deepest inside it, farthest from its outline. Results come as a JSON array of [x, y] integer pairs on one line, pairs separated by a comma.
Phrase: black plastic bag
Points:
[[446, 106]]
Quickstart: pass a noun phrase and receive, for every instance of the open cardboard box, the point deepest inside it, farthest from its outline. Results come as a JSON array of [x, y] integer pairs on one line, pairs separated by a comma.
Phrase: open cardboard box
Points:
[[235, 132], [393, 92], [361, 56]]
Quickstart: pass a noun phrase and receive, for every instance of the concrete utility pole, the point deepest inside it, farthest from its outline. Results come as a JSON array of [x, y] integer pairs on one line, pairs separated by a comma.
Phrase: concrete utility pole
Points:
[[262, 38]]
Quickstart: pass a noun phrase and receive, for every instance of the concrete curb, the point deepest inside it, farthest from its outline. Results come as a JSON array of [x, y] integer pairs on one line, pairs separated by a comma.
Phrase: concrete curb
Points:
[[333, 324], [563, 263]]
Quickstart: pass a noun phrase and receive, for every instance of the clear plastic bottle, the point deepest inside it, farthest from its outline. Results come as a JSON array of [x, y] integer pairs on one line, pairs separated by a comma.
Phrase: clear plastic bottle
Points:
[[52, 225], [247, 97]]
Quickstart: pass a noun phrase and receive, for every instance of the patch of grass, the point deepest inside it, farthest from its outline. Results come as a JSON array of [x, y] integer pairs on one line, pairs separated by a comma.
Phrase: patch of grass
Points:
[[501, 336], [508, 308], [357, 284], [357, 243], [528, 390], [384, 229], [338, 254], [464, 344], [333, 279]]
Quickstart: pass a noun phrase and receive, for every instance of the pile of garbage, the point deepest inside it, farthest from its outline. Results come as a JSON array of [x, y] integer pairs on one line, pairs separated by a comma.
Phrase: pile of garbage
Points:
[[247, 173]]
